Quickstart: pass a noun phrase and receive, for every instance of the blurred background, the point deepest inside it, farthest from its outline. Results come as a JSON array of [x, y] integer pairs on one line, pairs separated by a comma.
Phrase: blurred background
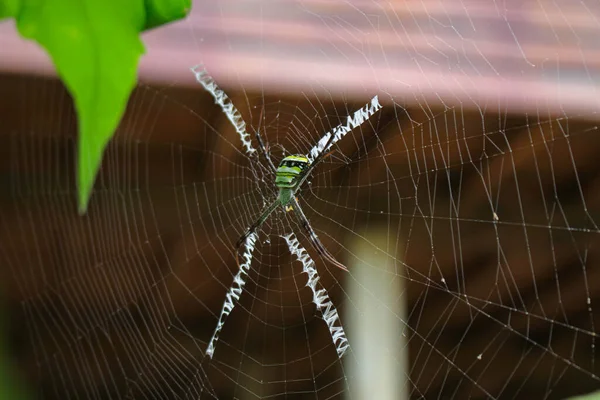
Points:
[[465, 210]]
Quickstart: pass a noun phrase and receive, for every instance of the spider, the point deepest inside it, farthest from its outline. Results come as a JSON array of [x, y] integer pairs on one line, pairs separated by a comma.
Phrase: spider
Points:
[[293, 170], [291, 173]]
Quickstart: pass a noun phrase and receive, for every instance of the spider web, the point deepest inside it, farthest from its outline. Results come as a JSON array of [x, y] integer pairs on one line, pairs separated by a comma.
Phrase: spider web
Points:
[[465, 209]]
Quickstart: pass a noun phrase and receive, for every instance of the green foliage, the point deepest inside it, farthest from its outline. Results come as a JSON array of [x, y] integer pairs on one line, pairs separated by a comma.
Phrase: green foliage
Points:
[[590, 396], [9, 8], [160, 12], [95, 47], [11, 386]]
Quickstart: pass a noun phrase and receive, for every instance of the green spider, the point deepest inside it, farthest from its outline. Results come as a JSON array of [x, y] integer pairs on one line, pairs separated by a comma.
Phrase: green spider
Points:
[[292, 170], [291, 173]]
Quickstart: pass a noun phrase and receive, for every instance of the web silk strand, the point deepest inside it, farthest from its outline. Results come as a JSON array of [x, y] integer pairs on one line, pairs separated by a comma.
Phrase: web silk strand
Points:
[[235, 291], [232, 113], [359, 117], [320, 296]]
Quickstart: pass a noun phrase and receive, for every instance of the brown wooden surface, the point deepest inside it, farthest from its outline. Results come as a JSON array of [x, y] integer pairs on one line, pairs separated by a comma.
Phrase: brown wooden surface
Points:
[[92, 284]]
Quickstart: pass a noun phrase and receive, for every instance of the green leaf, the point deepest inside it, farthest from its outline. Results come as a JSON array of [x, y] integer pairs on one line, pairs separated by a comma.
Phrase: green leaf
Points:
[[11, 386], [590, 396], [159, 12], [9, 8], [95, 47]]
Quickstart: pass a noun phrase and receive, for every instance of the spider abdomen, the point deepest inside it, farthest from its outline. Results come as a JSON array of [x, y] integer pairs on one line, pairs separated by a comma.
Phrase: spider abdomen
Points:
[[290, 171]]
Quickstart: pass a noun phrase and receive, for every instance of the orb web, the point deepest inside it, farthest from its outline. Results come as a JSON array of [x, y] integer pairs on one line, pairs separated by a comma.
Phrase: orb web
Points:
[[465, 209]]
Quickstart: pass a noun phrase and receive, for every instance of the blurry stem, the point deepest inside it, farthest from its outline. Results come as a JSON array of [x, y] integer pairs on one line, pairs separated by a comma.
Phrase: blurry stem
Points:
[[377, 323]]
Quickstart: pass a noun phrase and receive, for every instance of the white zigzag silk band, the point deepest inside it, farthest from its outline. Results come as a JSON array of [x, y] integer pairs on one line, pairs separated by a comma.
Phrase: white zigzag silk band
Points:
[[320, 297], [235, 291], [359, 117], [226, 105]]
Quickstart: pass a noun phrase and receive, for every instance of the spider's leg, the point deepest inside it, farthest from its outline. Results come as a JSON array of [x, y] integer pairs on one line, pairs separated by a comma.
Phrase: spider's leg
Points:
[[234, 292], [319, 150], [313, 164], [261, 143], [232, 113], [314, 239], [257, 224]]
